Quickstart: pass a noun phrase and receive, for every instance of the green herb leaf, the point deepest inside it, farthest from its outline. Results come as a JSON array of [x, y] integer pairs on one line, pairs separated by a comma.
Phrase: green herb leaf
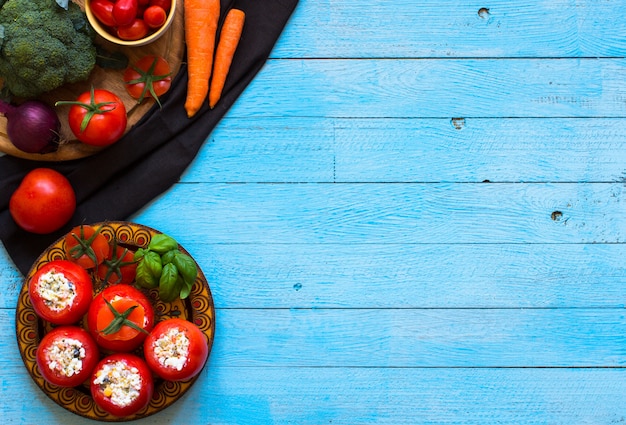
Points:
[[168, 257], [186, 267], [169, 283], [162, 243]]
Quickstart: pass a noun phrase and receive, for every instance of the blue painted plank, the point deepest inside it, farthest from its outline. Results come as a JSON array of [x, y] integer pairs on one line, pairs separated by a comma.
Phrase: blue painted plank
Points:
[[320, 150], [392, 213], [428, 88], [449, 28]]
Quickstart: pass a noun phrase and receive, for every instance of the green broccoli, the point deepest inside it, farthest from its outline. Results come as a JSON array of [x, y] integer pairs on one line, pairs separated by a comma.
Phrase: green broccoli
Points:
[[43, 46]]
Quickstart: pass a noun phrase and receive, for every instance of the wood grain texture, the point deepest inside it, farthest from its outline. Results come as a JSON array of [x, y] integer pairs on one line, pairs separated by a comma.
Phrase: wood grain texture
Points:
[[449, 28]]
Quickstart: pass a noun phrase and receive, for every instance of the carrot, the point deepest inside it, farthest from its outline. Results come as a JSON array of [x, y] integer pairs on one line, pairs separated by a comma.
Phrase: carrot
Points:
[[200, 24], [229, 39]]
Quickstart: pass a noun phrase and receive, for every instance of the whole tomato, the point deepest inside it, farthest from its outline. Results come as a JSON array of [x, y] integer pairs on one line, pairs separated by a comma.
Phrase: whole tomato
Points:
[[176, 349], [67, 355], [136, 30], [97, 117], [155, 16], [125, 11], [118, 267], [150, 75], [120, 317], [60, 292], [165, 4], [43, 202], [86, 246], [122, 384], [103, 11]]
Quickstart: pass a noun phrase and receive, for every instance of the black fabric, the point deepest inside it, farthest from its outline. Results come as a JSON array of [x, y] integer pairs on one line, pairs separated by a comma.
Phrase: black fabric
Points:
[[120, 180]]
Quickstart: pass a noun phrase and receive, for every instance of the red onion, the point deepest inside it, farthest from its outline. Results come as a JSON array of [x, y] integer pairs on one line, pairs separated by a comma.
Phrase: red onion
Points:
[[33, 126]]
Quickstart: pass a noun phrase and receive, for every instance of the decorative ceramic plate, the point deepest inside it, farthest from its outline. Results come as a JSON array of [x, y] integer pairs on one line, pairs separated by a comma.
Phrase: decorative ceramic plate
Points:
[[197, 308], [170, 46]]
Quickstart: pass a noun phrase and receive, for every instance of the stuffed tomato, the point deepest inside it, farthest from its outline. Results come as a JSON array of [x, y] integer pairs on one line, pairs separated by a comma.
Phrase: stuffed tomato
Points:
[[61, 292], [176, 349], [122, 384], [67, 355]]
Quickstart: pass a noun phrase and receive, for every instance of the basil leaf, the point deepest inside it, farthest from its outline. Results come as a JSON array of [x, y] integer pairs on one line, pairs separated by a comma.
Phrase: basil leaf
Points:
[[152, 262], [186, 267], [144, 278], [162, 243], [139, 254], [185, 290], [168, 257], [169, 283]]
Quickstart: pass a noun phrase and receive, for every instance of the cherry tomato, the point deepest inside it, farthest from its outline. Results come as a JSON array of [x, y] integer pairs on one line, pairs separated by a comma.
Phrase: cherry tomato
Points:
[[164, 4], [43, 202], [67, 355], [119, 266], [150, 75], [86, 246], [124, 12], [97, 117], [61, 292], [120, 317], [103, 11], [176, 349], [122, 384], [136, 30], [143, 2], [154, 16]]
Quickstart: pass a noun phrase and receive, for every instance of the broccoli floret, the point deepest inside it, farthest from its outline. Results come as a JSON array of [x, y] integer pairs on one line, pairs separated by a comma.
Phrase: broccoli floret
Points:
[[43, 46]]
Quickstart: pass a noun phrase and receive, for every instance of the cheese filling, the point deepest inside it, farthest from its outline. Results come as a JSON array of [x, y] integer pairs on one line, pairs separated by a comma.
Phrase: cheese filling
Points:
[[119, 382], [172, 349], [56, 291], [65, 356]]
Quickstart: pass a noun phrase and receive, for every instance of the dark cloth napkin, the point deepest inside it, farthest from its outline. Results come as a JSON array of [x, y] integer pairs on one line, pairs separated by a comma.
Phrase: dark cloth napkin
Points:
[[150, 158]]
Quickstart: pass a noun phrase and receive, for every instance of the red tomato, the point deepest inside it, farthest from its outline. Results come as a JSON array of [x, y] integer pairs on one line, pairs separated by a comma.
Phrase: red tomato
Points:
[[97, 117], [61, 292], [165, 4], [67, 355], [119, 266], [43, 202], [86, 246], [176, 349], [124, 324], [136, 30], [143, 2], [125, 11], [122, 384], [103, 11], [154, 16], [150, 75]]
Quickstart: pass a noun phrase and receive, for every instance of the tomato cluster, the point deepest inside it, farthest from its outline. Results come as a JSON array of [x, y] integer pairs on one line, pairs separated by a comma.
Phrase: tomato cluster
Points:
[[98, 336], [131, 19]]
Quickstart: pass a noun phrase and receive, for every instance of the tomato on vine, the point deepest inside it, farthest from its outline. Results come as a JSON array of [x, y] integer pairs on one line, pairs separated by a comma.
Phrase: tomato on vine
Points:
[[97, 117], [86, 246], [119, 266], [120, 317], [149, 76]]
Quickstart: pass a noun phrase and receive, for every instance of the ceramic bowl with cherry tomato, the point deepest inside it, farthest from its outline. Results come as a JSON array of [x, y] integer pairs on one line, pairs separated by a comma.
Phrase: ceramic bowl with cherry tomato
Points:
[[130, 22]]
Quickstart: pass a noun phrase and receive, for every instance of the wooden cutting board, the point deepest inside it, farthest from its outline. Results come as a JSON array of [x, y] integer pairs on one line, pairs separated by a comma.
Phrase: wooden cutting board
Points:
[[170, 45]]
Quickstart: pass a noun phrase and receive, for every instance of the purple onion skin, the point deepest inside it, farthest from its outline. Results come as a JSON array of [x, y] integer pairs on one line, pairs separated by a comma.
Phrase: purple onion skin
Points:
[[33, 126]]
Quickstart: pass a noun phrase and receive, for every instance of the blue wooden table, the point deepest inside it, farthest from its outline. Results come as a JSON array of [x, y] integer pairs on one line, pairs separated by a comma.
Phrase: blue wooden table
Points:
[[414, 214]]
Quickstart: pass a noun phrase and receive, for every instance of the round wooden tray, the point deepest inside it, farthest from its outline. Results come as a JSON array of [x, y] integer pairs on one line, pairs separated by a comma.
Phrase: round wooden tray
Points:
[[170, 45], [197, 308]]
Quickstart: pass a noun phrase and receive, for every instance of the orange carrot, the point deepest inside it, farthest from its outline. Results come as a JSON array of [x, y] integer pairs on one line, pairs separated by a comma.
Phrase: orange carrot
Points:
[[229, 39], [200, 24]]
